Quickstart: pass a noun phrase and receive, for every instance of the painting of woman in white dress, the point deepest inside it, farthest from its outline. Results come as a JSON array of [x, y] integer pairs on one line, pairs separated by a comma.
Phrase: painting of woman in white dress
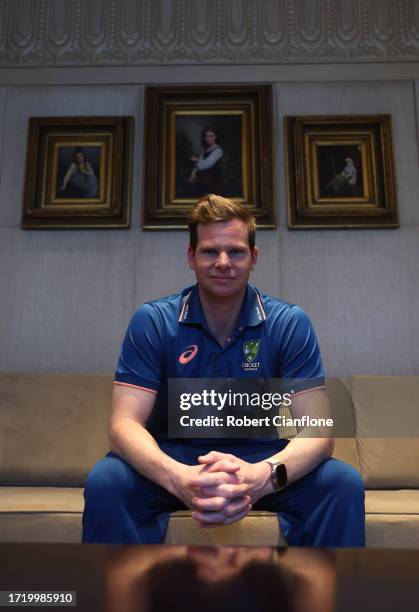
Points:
[[207, 174], [340, 171], [208, 156]]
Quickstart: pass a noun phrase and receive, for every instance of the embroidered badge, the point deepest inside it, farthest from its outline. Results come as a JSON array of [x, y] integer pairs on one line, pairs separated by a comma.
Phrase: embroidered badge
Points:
[[251, 348]]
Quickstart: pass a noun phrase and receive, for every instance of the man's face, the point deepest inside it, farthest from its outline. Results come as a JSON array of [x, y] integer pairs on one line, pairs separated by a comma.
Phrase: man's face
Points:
[[222, 259]]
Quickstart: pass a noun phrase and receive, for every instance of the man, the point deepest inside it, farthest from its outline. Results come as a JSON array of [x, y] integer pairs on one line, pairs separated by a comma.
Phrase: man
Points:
[[202, 332]]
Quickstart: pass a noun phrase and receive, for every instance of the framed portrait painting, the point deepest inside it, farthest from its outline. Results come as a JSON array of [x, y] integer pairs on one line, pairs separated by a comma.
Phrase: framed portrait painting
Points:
[[340, 172], [207, 139], [78, 173]]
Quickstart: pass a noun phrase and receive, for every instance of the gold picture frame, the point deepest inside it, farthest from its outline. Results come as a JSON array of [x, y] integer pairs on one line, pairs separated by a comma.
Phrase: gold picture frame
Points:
[[78, 173], [207, 139], [340, 172]]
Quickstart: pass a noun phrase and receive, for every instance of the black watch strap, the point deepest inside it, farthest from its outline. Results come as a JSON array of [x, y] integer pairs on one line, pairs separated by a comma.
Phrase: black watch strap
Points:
[[279, 476]]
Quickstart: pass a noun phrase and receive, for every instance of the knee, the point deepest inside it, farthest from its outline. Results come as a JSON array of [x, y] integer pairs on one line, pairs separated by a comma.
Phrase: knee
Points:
[[109, 479], [343, 480]]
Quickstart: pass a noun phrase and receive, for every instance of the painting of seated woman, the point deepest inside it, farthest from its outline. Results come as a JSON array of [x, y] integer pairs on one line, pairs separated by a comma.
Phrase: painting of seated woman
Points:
[[78, 173]]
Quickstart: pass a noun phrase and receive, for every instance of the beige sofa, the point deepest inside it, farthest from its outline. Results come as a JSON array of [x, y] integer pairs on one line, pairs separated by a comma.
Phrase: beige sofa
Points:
[[53, 429]]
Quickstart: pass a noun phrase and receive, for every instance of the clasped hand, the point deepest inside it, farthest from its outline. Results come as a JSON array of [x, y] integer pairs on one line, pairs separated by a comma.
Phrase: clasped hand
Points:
[[223, 488]]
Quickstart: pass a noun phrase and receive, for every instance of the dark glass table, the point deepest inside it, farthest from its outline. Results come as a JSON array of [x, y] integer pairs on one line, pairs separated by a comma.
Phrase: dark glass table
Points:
[[216, 579]]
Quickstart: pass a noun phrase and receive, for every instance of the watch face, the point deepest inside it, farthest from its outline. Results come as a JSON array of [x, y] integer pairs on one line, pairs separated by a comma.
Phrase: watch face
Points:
[[281, 475]]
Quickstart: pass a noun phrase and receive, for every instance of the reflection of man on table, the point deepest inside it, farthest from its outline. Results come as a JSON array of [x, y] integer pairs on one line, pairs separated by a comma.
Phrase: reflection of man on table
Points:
[[219, 578], [201, 332], [206, 175]]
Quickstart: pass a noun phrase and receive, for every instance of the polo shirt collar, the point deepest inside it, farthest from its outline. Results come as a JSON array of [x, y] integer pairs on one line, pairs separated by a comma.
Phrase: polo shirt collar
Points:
[[190, 309], [252, 311]]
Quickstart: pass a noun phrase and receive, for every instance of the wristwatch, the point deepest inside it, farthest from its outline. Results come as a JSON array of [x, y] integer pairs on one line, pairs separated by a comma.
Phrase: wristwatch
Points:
[[279, 476]]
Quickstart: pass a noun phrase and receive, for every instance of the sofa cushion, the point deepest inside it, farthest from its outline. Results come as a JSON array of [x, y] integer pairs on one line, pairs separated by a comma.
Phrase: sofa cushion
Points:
[[345, 450], [53, 427], [392, 530], [392, 519], [341, 408], [55, 527], [41, 499], [257, 528], [386, 414], [343, 415], [40, 514], [405, 501], [66, 499], [53, 514]]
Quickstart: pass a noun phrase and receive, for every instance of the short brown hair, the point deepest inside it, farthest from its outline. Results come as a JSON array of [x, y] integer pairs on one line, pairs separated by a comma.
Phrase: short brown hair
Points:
[[214, 208]]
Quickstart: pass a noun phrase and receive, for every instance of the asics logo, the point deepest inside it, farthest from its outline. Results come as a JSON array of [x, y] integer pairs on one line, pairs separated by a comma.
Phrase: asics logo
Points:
[[188, 354]]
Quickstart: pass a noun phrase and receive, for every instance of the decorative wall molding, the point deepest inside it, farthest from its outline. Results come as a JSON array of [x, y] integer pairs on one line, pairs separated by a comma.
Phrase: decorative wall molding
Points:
[[154, 32]]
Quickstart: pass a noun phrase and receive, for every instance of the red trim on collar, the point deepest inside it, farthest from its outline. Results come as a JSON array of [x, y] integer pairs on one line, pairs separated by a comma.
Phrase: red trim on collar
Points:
[[184, 306], [260, 304]]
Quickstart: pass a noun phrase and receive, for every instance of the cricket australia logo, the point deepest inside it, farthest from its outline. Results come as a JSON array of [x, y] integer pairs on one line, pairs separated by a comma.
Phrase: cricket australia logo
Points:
[[251, 349]]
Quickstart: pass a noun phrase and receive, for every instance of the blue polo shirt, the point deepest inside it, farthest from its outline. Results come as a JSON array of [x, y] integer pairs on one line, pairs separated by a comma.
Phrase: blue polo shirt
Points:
[[169, 338]]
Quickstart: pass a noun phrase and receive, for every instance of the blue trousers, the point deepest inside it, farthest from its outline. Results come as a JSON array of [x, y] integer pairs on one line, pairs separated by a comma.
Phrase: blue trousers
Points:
[[324, 508]]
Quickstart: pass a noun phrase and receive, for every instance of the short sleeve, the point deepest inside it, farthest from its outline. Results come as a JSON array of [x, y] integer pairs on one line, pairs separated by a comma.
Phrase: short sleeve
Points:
[[139, 362], [301, 357]]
